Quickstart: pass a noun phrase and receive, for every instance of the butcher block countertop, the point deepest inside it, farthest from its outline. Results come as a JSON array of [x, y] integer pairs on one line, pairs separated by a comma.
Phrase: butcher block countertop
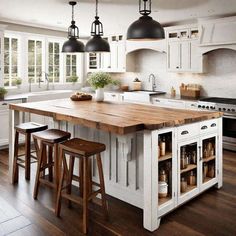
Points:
[[119, 118]]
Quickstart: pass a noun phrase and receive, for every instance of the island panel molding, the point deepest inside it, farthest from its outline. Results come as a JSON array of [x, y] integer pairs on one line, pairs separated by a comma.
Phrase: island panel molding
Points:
[[119, 118]]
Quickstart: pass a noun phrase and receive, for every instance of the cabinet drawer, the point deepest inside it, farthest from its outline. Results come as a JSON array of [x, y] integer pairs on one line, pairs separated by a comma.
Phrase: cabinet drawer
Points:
[[188, 131], [209, 126], [112, 97], [4, 105]]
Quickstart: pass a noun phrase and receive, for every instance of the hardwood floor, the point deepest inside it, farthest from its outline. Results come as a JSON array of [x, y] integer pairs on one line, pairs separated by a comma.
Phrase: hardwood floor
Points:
[[212, 213]]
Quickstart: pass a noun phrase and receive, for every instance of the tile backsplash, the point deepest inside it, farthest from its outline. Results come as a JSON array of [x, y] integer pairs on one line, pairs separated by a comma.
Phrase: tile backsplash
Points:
[[219, 79]]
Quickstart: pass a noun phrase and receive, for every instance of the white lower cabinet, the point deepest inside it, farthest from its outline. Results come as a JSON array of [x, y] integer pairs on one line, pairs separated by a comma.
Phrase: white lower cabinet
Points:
[[113, 97], [4, 118], [190, 164]]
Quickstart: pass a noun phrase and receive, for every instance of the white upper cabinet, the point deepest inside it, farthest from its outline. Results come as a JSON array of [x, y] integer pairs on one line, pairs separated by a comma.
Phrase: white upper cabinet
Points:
[[182, 53], [115, 61], [1, 55]]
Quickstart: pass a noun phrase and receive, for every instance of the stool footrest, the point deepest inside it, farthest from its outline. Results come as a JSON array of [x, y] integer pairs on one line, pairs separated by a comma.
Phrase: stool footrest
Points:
[[46, 182], [46, 166], [94, 194], [72, 198]]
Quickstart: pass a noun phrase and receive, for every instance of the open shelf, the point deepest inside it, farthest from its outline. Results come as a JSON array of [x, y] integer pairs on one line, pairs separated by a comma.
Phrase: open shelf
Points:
[[161, 201], [207, 179], [166, 157], [190, 167], [189, 188], [208, 158]]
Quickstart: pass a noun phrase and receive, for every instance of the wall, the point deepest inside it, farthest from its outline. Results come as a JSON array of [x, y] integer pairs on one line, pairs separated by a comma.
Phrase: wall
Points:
[[219, 79]]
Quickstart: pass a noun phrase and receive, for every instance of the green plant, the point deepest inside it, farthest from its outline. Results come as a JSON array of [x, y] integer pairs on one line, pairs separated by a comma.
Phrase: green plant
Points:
[[101, 79], [73, 79], [3, 92], [17, 81]]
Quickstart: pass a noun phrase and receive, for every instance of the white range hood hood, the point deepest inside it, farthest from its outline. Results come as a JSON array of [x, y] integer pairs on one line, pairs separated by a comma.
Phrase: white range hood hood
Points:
[[217, 34]]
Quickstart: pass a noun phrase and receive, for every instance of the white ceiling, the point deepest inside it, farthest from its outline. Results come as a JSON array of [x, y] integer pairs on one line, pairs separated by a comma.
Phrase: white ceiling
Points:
[[116, 15]]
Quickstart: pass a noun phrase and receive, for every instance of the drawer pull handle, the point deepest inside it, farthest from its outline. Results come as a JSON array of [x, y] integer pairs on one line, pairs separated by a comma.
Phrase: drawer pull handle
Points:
[[4, 104], [184, 132], [113, 95], [204, 127], [156, 100], [213, 125]]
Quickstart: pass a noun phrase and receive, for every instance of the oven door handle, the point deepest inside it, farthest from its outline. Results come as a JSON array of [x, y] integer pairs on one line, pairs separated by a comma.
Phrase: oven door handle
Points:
[[233, 117]]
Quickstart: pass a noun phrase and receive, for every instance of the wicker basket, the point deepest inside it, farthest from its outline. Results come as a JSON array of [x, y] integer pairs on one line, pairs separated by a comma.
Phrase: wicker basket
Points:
[[190, 93]]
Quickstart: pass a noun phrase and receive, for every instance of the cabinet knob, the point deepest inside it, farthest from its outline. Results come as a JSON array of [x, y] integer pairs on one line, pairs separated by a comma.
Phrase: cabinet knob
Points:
[[204, 127], [177, 67], [184, 132]]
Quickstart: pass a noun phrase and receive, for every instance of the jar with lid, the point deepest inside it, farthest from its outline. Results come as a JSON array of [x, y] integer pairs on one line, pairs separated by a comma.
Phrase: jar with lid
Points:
[[194, 157], [163, 176], [205, 152], [211, 171], [192, 178], [162, 189], [205, 170], [183, 185]]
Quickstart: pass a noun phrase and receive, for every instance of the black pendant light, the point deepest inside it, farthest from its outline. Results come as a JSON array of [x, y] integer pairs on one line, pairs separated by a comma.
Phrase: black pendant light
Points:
[[73, 45], [145, 28], [97, 43]]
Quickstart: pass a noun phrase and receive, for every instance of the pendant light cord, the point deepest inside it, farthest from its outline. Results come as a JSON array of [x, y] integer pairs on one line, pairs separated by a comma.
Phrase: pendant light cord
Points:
[[72, 12], [96, 12]]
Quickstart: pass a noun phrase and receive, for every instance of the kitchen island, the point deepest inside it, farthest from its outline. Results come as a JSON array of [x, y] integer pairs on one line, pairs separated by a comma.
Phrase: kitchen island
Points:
[[133, 161]]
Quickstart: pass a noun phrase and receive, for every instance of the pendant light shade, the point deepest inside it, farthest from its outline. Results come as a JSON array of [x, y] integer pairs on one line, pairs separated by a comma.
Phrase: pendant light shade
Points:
[[97, 43], [145, 28], [73, 45]]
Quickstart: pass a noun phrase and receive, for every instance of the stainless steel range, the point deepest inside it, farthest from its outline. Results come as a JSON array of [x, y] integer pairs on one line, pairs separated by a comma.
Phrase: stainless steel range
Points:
[[228, 107]]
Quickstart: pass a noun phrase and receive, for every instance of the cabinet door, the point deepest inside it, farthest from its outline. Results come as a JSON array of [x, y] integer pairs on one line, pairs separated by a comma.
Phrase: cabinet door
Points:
[[196, 60], [114, 53], [106, 61], [188, 170], [4, 114], [185, 56], [121, 57], [208, 161], [174, 56]]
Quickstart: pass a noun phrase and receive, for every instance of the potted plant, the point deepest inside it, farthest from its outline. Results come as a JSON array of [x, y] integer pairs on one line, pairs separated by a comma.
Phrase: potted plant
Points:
[[18, 82], [3, 92], [73, 79], [98, 81]]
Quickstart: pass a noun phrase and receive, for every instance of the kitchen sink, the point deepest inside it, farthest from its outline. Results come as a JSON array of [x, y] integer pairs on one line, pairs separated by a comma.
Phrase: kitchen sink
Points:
[[141, 96]]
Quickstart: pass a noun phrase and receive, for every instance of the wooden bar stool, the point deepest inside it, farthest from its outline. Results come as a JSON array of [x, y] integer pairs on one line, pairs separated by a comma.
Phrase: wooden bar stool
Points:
[[25, 129], [46, 143], [83, 150]]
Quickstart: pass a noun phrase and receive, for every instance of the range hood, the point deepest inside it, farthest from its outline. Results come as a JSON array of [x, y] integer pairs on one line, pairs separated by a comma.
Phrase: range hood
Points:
[[157, 45], [217, 33]]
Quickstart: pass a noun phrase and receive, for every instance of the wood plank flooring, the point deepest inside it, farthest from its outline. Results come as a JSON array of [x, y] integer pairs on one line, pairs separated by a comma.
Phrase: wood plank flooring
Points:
[[212, 213]]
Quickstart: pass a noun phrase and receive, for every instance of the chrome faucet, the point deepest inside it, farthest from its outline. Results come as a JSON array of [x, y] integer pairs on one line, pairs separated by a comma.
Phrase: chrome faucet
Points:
[[153, 79], [46, 78]]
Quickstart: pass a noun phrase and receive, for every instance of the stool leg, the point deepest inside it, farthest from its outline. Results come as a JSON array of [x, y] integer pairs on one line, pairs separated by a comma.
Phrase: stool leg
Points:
[[58, 202], [70, 177], [102, 185], [81, 176], [57, 165], [50, 160], [27, 155], [90, 184], [40, 161], [85, 195], [15, 165]]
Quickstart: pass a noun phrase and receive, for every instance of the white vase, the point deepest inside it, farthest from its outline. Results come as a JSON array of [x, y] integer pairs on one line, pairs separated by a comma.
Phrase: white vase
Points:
[[99, 95]]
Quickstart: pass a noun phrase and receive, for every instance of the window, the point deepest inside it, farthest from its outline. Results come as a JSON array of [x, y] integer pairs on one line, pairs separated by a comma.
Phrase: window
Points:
[[34, 60], [10, 61], [71, 62], [54, 62]]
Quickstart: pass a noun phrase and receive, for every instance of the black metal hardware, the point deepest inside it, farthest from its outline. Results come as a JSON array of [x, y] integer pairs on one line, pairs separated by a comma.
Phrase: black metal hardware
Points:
[[184, 132], [213, 125], [204, 127]]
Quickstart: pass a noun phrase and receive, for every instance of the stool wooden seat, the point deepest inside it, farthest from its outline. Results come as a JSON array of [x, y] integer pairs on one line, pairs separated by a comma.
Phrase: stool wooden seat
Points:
[[25, 129], [46, 143], [82, 149]]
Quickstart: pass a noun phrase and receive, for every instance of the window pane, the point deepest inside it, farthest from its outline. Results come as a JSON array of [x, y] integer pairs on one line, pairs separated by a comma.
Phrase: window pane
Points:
[[74, 60], [6, 58], [14, 44], [31, 46], [6, 70], [14, 59], [50, 70], [50, 62], [38, 47], [6, 44], [50, 47], [57, 59], [31, 58], [73, 70], [38, 71], [56, 48], [68, 70], [39, 59], [56, 71], [31, 71], [14, 71], [68, 60]]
